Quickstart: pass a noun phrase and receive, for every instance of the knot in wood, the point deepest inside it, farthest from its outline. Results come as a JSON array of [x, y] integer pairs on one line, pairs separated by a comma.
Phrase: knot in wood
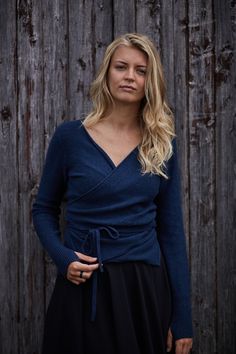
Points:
[[6, 113]]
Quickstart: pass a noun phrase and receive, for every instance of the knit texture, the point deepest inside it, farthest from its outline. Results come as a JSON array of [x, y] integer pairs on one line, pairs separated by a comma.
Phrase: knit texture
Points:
[[113, 212]]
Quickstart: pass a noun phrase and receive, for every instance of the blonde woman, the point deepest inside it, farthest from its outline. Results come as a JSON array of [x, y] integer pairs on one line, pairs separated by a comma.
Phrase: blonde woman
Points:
[[123, 282]]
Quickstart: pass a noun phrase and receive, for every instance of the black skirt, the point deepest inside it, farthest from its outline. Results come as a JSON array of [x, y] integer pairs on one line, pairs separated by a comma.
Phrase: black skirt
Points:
[[133, 312]]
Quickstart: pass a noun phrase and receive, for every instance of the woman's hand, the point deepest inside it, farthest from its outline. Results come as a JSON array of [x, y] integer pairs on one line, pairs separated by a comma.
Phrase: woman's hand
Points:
[[169, 341], [182, 346], [76, 269]]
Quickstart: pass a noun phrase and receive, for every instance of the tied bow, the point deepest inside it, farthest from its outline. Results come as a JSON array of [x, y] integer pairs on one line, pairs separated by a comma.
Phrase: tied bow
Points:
[[92, 244]]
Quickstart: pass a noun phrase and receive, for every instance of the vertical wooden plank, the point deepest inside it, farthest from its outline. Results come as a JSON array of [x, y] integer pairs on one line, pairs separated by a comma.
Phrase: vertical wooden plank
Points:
[[90, 31], [179, 98], [225, 80], [103, 30], [81, 60], [30, 129], [148, 19], [202, 173], [167, 44], [174, 56], [8, 176], [124, 16], [42, 63], [55, 47]]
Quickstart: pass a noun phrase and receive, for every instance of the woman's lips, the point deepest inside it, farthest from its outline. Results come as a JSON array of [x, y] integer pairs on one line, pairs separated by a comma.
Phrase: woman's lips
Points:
[[127, 88]]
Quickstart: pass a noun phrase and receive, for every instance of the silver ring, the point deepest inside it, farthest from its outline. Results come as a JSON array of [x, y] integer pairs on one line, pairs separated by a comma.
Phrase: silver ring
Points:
[[81, 274]]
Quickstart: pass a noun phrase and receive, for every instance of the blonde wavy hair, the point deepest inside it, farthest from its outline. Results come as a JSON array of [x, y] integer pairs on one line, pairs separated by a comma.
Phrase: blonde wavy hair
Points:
[[156, 117]]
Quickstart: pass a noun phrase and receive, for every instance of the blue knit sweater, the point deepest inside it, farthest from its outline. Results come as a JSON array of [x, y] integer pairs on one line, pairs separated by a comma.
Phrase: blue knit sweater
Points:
[[113, 212]]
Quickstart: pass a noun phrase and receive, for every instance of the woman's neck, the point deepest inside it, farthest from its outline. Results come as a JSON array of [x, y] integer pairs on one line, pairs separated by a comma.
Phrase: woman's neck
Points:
[[123, 117]]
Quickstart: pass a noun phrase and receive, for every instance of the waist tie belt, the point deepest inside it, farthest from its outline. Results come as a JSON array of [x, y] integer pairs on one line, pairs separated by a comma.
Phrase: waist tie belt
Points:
[[93, 238]]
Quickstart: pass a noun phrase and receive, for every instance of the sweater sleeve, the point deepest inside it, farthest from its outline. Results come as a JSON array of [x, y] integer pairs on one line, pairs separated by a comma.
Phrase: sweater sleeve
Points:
[[47, 206], [171, 237]]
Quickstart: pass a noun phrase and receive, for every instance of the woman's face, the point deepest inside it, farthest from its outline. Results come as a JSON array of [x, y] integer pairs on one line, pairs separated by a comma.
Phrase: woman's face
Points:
[[126, 75]]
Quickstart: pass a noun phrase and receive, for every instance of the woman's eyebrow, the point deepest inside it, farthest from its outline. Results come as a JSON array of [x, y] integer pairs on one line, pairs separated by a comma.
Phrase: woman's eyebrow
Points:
[[124, 62]]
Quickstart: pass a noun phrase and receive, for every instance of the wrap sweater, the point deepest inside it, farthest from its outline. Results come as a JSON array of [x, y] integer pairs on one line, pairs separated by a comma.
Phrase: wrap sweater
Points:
[[113, 212]]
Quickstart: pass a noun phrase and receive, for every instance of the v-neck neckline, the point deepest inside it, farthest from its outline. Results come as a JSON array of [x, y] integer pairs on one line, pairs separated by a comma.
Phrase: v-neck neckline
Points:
[[105, 153]]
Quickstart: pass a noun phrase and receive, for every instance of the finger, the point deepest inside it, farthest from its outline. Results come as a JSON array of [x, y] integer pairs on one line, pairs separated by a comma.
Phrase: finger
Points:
[[169, 341], [74, 276], [76, 281], [183, 346], [87, 267], [77, 267], [84, 275], [187, 348], [86, 258], [77, 278], [178, 347], [77, 274], [71, 275]]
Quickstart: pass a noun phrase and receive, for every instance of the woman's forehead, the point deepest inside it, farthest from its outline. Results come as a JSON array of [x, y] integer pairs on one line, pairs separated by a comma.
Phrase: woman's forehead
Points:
[[130, 53]]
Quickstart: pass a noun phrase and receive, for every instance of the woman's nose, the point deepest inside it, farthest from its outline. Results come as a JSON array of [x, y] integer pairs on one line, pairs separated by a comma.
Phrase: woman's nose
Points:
[[129, 74]]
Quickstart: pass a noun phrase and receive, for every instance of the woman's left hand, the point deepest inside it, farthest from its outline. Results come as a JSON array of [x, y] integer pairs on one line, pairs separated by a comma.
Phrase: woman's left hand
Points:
[[182, 346]]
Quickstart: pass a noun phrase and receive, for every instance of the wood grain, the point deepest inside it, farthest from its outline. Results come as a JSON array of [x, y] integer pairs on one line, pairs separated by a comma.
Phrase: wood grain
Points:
[[55, 109], [9, 213], [30, 122], [50, 52], [123, 16], [80, 54], [225, 174], [202, 174]]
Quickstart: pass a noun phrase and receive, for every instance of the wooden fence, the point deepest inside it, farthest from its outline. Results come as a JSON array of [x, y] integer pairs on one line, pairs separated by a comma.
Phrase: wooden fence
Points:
[[49, 53]]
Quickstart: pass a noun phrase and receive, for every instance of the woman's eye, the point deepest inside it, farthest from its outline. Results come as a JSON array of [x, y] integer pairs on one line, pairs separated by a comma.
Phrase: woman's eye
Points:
[[139, 71], [142, 72], [120, 67]]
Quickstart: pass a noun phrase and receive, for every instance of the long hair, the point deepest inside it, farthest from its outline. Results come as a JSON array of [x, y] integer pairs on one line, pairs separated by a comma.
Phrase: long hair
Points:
[[156, 117]]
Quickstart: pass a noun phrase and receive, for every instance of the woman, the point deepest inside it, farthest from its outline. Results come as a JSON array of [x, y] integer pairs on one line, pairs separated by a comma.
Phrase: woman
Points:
[[123, 282]]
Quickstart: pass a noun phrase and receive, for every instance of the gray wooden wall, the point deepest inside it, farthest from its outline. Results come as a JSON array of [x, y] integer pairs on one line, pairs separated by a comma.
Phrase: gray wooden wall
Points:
[[49, 53]]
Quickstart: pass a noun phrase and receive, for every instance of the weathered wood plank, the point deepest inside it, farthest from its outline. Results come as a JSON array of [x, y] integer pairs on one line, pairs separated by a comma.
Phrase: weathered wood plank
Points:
[[148, 19], [173, 48], [55, 90], [9, 259], [30, 130], [90, 31], [123, 17], [225, 80], [179, 98], [202, 174], [48, 59], [103, 30], [81, 62], [167, 40]]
